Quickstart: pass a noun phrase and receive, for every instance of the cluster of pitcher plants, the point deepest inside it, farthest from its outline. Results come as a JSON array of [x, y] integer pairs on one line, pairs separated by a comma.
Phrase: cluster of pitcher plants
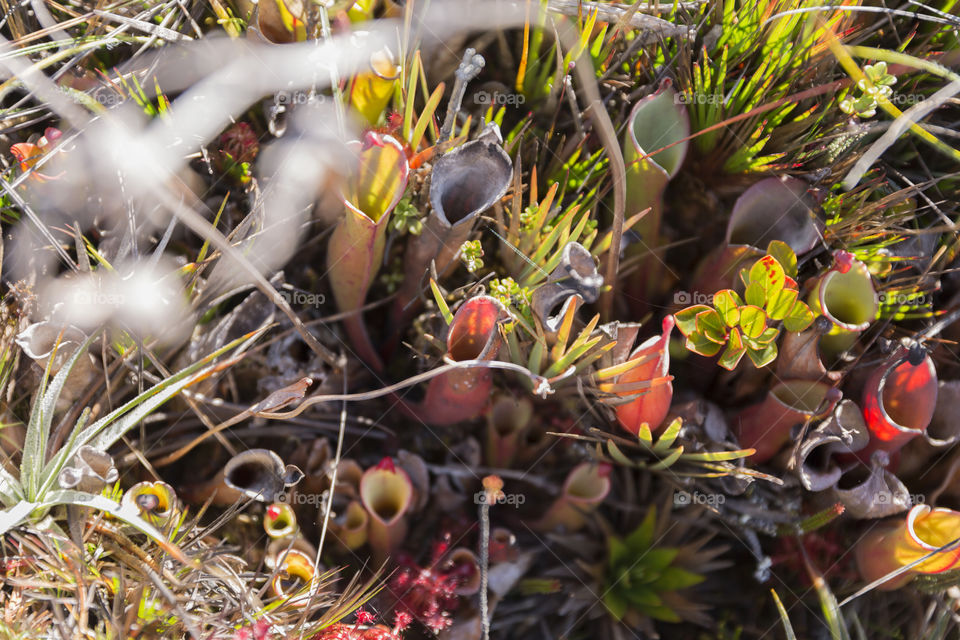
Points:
[[569, 330]]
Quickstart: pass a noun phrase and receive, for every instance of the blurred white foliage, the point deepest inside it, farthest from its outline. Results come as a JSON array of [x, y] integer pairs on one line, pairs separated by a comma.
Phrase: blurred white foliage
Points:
[[143, 298], [124, 172]]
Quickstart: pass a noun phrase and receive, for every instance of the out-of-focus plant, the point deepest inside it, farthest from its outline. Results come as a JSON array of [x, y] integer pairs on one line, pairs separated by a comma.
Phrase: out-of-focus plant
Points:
[[238, 148], [925, 531], [747, 325], [29, 153], [645, 579], [431, 594], [583, 491], [370, 92]]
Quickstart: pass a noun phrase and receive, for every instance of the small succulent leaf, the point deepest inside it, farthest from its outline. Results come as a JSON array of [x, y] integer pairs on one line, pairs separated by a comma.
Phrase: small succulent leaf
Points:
[[687, 318], [734, 351], [668, 436], [644, 435], [780, 303], [668, 461], [727, 303], [752, 321], [617, 455], [718, 456], [701, 346], [762, 357], [710, 324], [769, 335], [799, 318], [783, 254], [769, 273], [755, 294]]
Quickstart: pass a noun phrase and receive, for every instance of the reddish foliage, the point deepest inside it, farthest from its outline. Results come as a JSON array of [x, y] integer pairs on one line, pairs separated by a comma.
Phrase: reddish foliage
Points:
[[429, 594]]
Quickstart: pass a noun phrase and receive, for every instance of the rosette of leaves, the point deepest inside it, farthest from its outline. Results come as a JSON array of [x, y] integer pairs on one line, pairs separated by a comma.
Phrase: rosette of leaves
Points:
[[668, 453], [749, 325], [644, 580], [877, 84]]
